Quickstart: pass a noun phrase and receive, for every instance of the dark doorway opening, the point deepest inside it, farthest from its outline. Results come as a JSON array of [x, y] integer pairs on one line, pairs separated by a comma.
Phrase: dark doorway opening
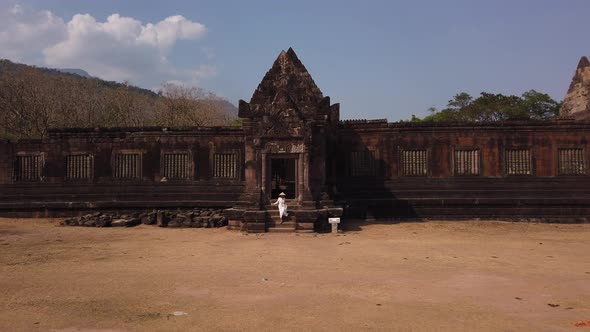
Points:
[[283, 177]]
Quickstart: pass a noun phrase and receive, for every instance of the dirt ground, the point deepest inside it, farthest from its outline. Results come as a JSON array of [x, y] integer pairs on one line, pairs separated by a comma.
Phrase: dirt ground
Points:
[[443, 276]]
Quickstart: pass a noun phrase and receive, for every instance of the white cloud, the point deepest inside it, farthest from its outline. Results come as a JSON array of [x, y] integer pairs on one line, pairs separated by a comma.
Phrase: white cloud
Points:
[[25, 33], [165, 33], [120, 48]]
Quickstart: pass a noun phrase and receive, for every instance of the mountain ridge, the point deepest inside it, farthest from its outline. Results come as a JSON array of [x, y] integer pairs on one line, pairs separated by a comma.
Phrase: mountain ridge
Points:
[[75, 71]]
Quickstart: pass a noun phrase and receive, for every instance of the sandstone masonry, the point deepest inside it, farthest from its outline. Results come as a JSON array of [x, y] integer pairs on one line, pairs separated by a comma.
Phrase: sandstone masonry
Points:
[[577, 100]]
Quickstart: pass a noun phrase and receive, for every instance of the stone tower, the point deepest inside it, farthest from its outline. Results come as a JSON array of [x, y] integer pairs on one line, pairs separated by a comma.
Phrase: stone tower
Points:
[[577, 100], [289, 133]]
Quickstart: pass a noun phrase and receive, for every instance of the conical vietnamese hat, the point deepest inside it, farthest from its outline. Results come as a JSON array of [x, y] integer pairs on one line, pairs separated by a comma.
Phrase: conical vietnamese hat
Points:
[[282, 194]]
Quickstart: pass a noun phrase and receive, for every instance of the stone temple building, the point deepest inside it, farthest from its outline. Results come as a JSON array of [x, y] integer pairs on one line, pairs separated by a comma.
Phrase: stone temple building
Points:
[[577, 100], [292, 140]]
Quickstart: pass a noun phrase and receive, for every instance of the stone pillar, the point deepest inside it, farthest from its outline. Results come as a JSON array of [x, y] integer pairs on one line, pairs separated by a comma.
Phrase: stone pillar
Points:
[[300, 176], [307, 200], [306, 162], [251, 195], [263, 174], [250, 162], [251, 173]]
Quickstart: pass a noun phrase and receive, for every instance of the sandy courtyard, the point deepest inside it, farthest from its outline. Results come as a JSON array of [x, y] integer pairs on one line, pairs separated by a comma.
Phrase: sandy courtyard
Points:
[[444, 276]]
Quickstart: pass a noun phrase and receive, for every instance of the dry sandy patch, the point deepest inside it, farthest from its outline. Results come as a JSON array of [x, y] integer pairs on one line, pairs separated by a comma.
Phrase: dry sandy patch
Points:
[[444, 276]]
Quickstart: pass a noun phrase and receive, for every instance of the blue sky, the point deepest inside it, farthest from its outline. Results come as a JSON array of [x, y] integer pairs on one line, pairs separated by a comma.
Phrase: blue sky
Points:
[[379, 59]]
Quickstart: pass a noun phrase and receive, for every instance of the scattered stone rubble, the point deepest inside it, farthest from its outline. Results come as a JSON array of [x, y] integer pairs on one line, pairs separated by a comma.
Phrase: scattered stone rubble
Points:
[[197, 217]]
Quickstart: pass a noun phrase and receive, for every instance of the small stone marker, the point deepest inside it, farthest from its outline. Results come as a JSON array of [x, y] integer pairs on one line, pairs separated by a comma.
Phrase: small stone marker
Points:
[[334, 222]]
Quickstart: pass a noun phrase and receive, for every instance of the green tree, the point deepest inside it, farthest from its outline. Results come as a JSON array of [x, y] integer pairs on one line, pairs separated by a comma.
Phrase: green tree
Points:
[[460, 101], [490, 107], [539, 105]]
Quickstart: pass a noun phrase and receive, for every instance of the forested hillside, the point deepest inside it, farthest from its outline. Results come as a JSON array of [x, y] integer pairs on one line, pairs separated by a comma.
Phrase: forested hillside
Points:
[[32, 100]]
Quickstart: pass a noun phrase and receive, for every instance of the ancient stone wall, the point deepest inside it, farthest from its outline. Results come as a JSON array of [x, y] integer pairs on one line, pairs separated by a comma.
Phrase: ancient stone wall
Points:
[[516, 170], [535, 170], [5, 161], [542, 139], [79, 170]]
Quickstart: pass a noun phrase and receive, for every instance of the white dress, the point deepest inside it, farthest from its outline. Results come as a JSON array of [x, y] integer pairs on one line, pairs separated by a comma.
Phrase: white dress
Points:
[[282, 203]]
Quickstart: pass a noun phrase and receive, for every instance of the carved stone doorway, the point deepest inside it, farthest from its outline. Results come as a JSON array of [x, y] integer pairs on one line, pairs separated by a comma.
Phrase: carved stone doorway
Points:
[[283, 176]]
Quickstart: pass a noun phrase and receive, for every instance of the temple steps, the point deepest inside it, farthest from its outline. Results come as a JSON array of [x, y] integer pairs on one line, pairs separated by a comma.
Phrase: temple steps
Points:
[[285, 227], [280, 230], [290, 207], [276, 225]]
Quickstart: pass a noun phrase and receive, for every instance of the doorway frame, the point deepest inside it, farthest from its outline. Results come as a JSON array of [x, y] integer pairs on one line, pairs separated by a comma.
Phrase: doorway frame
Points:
[[268, 166]]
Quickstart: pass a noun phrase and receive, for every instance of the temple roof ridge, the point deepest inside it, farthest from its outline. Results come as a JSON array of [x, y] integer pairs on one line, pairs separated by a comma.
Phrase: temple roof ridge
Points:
[[288, 74], [576, 102], [288, 93], [583, 63]]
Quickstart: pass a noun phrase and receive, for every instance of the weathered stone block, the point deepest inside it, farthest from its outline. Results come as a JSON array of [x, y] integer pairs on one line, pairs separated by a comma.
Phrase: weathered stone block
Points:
[[335, 212], [162, 219], [254, 216], [119, 223], [90, 223], [306, 216], [256, 228], [205, 222], [149, 219], [235, 214], [103, 221], [133, 222]]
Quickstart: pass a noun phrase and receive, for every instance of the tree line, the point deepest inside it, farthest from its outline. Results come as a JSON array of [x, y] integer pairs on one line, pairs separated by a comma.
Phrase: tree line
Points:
[[33, 100], [490, 107]]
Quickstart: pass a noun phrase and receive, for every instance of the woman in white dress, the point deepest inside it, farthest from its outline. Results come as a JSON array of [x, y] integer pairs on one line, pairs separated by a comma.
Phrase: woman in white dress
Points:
[[282, 203]]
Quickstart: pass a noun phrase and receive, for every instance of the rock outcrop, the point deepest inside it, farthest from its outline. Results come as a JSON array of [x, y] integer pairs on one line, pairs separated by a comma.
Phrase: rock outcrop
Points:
[[577, 100]]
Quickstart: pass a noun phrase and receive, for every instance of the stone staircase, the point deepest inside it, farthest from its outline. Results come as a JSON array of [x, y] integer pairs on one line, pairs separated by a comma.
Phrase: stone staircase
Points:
[[274, 224]]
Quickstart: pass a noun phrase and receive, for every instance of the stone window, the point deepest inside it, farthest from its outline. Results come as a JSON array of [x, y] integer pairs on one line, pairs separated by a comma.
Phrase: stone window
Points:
[[176, 165], [571, 161], [79, 166], [518, 161], [225, 165], [466, 162], [29, 167], [414, 162], [363, 163], [127, 165]]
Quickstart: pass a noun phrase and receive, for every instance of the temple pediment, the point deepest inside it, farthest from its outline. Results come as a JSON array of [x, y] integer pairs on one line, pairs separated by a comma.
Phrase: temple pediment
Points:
[[287, 102], [286, 90]]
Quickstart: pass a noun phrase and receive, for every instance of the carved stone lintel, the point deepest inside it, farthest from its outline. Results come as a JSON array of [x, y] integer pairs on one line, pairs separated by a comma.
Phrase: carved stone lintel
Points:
[[284, 147]]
